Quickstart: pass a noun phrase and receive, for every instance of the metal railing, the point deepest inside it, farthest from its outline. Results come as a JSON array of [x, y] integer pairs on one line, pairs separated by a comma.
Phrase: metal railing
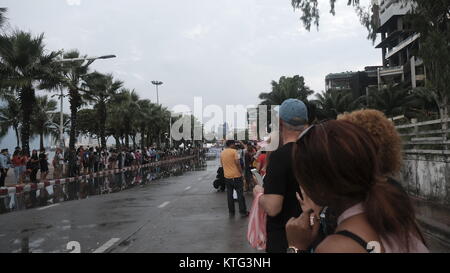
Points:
[[427, 137]]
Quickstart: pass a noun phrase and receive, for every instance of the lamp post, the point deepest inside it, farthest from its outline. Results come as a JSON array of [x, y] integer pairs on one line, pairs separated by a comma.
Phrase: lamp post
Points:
[[61, 96], [157, 83]]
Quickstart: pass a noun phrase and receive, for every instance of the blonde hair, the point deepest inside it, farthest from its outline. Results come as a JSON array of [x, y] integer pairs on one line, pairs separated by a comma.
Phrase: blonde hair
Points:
[[384, 134]]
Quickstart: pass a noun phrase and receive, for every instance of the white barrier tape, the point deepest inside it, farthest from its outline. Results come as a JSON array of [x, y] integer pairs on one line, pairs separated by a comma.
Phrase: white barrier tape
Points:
[[11, 190]]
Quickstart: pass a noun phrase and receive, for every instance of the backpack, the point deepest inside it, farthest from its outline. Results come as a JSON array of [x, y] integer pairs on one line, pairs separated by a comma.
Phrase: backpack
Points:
[[86, 156], [128, 158]]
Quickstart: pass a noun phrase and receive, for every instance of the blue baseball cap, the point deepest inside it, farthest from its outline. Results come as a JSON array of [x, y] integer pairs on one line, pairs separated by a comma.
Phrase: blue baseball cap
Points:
[[293, 112]]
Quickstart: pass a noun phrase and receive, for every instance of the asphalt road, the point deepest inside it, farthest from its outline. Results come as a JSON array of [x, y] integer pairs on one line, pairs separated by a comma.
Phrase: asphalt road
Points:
[[179, 214]]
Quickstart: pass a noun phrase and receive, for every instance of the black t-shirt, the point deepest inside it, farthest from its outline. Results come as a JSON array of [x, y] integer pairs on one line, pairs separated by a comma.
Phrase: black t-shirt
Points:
[[280, 180]]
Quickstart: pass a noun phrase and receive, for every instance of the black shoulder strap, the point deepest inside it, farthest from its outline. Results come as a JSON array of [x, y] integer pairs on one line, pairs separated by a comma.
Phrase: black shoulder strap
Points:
[[354, 237]]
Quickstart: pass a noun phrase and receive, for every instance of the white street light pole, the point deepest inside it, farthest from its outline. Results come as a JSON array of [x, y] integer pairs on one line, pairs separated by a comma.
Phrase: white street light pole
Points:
[[61, 114], [157, 83], [61, 122], [170, 131]]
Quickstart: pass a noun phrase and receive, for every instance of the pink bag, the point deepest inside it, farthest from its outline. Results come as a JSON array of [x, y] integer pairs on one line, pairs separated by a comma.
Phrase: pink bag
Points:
[[256, 233]]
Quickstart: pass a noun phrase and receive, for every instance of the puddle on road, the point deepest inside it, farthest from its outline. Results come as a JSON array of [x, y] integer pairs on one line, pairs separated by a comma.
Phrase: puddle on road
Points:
[[38, 227]]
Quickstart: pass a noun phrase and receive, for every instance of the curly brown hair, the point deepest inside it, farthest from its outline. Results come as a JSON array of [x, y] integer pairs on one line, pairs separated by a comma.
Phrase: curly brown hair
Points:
[[384, 134]]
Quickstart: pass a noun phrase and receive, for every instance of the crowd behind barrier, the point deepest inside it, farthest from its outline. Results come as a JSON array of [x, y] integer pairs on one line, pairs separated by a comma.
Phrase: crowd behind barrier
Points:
[[99, 181]]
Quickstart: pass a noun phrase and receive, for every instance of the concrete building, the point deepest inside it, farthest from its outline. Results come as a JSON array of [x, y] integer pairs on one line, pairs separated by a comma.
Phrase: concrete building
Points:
[[399, 45], [355, 81]]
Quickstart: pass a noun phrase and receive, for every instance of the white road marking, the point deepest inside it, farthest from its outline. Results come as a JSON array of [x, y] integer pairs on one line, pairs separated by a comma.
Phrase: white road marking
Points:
[[107, 245], [187, 188], [47, 207], [200, 178], [163, 204]]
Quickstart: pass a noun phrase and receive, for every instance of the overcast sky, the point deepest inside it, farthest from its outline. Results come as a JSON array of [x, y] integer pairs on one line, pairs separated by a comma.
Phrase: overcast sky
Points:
[[224, 51]]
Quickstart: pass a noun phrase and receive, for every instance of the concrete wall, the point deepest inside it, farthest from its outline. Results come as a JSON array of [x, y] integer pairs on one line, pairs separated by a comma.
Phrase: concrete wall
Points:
[[427, 176]]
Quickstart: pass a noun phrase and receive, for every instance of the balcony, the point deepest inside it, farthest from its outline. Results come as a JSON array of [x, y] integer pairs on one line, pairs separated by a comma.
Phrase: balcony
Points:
[[402, 45], [391, 71]]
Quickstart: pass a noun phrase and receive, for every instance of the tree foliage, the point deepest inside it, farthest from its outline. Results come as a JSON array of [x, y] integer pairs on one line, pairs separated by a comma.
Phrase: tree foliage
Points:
[[285, 88]]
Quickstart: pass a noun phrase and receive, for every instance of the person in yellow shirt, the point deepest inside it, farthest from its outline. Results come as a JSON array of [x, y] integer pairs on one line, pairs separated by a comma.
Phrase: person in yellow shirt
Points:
[[229, 159]]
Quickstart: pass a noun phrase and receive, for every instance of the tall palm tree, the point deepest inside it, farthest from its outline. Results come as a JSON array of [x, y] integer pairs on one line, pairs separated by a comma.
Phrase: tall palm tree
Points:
[[10, 116], [146, 119], [160, 125], [124, 109], [55, 124], [42, 118], [70, 75], [101, 88], [333, 102], [286, 88], [23, 64], [393, 101]]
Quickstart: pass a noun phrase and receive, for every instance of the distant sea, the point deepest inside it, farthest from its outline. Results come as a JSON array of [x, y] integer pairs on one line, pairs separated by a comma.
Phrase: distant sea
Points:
[[9, 141]]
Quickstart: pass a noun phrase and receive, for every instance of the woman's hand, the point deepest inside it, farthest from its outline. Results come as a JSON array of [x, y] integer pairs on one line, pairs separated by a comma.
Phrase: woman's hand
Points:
[[257, 190], [302, 231], [299, 231], [307, 204]]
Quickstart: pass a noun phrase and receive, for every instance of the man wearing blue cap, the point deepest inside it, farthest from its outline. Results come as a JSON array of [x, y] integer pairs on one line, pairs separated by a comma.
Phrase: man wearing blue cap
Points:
[[280, 186]]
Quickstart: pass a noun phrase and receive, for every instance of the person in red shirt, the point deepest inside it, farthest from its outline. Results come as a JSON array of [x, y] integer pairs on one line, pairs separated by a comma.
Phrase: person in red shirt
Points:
[[19, 162], [262, 163]]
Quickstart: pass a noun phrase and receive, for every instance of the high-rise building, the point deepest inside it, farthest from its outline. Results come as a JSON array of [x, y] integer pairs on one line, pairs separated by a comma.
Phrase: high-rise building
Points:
[[399, 46]]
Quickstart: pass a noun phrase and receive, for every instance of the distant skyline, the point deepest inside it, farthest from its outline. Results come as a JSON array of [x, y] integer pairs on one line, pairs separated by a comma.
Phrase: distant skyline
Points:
[[226, 52]]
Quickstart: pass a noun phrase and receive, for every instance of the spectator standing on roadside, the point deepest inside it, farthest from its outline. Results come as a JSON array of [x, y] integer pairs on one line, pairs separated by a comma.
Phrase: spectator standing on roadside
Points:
[[19, 162], [4, 166], [249, 153], [58, 164], [279, 198], [33, 166], [233, 178], [43, 164]]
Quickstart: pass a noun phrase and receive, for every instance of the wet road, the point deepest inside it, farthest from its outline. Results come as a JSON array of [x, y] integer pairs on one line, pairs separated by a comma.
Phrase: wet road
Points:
[[178, 214]]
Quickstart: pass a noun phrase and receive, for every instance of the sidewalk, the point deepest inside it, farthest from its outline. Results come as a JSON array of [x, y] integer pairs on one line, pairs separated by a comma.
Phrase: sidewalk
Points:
[[434, 220], [10, 179]]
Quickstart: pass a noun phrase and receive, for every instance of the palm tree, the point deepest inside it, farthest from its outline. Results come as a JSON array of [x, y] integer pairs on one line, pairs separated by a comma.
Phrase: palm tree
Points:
[[24, 63], [393, 101], [286, 88], [70, 75], [55, 124], [124, 109], [10, 116], [42, 118], [146, 119], [333, 102], [101, 88]]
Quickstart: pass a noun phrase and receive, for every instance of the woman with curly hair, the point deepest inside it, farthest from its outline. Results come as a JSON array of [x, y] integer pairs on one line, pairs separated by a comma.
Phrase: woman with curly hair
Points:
[[337, 164], [389, 152], [385, 135]]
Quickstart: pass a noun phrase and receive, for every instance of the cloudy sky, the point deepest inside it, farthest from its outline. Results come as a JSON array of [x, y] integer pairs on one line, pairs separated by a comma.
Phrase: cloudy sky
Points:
[[225, 51]]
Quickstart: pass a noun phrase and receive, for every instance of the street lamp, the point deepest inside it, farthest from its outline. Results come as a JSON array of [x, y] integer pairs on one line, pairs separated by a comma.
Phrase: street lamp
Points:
[[157, 83], [61, 115]]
